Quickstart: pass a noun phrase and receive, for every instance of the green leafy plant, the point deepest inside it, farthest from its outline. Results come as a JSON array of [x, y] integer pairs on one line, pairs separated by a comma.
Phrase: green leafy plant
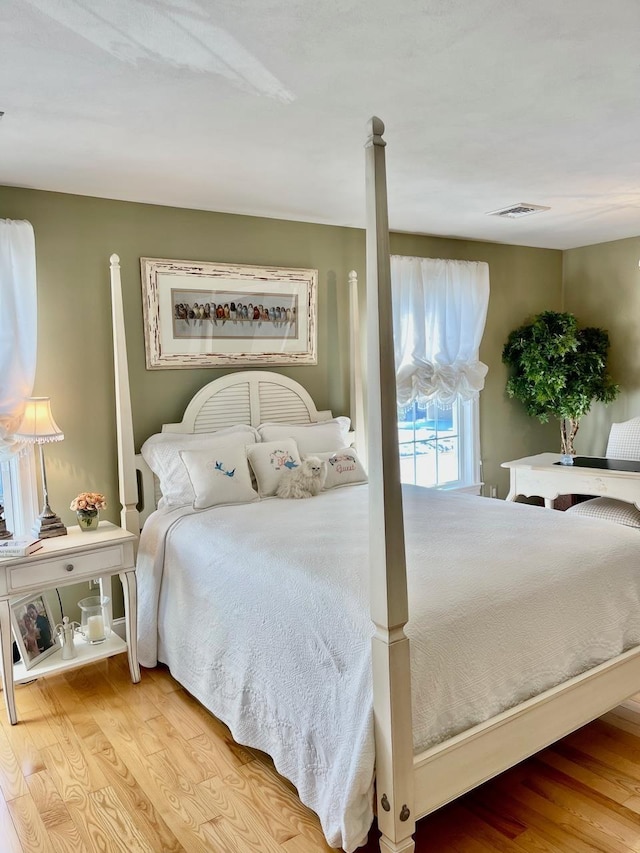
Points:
[[559, 370]]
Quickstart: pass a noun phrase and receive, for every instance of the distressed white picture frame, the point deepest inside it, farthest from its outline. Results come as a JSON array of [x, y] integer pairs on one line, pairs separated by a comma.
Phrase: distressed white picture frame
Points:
[[268, 314]]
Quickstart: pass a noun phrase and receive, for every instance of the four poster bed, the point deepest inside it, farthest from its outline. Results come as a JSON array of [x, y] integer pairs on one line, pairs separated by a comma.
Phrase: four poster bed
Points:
[[507, 654]]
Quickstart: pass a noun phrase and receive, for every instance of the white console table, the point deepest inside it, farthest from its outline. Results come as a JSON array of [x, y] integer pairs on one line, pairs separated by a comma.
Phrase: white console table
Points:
[[538, 475]]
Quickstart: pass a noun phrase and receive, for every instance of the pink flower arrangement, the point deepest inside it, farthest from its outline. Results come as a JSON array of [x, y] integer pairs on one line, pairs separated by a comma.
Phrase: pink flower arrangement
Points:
[[88, 502]]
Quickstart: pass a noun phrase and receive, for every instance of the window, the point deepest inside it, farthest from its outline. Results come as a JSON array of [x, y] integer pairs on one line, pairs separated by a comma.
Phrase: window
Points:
[[439, 446], [18, 333], [18, 492], [439, 313]]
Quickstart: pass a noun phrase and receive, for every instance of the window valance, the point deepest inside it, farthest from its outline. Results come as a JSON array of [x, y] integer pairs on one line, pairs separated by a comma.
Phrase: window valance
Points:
[[18, 325], [439, 314]]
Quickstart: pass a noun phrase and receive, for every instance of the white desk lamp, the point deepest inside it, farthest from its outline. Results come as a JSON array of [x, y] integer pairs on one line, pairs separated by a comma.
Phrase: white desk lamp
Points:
[[38, 427]]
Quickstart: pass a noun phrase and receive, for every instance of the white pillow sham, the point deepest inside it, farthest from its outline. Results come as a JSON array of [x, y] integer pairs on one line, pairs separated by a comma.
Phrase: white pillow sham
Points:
[[161, 452], [219, 476], [343, 468], [310, 438], [269, 459]]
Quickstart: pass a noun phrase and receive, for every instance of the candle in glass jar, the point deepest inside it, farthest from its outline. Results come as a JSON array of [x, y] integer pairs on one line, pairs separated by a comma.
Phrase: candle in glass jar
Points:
[[95, 627]]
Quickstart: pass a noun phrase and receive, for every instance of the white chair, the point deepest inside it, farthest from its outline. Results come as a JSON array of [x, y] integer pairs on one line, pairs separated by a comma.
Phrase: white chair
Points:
[[624, 443]]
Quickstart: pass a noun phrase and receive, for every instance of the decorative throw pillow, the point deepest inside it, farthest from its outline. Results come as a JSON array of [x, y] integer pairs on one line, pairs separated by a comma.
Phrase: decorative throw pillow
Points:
[[269, 459], [343, 468], [219, 476], [608, 509], [161, 452], [310, 438]]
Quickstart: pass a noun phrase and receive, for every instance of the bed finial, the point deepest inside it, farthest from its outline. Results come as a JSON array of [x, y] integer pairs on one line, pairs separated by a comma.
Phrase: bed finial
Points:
[[375, 126], [114, 260]]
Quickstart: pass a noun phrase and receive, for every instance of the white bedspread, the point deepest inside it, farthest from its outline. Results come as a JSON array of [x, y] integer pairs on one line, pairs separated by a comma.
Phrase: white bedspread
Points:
[[262, 614]]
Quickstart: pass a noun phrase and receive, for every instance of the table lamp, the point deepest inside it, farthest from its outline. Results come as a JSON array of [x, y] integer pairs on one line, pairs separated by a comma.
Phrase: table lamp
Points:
[[38, 427]]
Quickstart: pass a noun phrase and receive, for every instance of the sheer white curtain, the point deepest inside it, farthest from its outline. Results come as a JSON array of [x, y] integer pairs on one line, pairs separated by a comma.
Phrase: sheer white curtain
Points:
[[18, 325], [439, 313]]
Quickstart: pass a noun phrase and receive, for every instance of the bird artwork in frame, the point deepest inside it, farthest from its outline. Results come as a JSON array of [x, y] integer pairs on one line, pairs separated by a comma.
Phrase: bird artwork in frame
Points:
[[207, 314]]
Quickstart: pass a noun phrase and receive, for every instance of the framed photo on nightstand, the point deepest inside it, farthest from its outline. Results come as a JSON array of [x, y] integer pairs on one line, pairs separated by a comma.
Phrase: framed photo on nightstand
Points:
[[33, 628]]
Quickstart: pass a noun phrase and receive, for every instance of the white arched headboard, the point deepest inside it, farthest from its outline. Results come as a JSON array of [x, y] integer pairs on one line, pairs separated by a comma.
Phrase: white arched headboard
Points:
[[248, 397]]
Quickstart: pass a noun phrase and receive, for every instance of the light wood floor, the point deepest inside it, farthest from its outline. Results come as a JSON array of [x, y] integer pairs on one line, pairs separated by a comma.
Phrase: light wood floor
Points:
[[99, 764]]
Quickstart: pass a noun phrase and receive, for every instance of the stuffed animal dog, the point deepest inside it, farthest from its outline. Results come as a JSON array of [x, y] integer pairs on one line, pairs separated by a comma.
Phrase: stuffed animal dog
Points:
[[305, 481]]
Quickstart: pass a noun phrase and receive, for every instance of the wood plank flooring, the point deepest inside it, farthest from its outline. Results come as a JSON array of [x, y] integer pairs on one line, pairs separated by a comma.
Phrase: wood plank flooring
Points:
[[98, 764]]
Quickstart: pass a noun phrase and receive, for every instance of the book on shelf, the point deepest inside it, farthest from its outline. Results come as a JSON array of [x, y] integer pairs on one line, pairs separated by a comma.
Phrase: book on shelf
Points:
[[21, 546]]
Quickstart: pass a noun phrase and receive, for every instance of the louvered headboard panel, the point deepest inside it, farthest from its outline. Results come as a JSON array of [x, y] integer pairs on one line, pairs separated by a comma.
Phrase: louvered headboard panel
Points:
[[281, 405], [227, 407]]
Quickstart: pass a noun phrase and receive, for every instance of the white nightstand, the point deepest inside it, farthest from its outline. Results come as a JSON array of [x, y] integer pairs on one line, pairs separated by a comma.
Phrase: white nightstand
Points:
[[64, 560]]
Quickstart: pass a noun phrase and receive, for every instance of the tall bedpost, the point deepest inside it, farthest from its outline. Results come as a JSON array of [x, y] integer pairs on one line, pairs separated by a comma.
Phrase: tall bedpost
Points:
[[389, 606], [355, 355], [127, 481]]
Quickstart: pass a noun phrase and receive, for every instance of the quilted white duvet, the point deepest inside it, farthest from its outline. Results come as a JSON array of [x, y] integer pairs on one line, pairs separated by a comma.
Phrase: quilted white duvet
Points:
[[261, 612]]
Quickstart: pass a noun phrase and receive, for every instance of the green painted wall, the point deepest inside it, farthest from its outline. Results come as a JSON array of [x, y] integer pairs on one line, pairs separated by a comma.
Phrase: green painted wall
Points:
[[75, 236], [602, 288]]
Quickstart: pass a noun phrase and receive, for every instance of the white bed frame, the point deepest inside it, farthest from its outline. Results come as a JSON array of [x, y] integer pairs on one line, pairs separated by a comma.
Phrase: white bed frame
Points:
[[408, 786]]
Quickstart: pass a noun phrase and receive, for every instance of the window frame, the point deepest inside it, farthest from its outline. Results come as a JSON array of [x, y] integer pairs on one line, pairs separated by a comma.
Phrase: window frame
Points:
[[20, 491], [468, 438]]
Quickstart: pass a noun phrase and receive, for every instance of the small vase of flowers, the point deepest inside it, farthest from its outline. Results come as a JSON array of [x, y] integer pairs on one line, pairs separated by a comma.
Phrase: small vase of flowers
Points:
[[87, 506]]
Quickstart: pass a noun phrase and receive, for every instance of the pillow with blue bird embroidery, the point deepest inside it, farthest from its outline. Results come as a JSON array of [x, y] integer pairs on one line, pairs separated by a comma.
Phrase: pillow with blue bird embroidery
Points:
[[161, 452], [269, 459], [219, 476]]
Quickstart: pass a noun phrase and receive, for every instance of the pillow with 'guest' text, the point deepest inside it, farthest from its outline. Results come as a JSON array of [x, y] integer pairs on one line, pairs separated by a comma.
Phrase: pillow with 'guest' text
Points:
[[343, 468]]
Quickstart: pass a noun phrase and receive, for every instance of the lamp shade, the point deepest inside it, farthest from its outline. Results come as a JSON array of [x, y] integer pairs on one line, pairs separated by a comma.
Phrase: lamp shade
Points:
[[37, 425]]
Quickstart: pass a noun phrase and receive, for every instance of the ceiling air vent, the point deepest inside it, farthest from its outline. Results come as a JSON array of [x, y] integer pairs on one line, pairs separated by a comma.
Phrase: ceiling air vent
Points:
[[515, 211]]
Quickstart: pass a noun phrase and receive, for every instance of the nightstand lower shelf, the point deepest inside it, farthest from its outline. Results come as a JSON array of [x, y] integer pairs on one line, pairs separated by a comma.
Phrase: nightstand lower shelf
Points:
[[86, 653]]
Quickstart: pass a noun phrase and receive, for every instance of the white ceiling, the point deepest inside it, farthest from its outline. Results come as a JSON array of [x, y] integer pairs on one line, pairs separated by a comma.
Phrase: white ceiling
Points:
[[260, 107]]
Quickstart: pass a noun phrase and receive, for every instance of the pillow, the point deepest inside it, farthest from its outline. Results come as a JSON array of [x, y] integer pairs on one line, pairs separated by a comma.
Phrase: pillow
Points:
[[310, 438], [269, 459], [608, 509], [219, 476], [161, 452], [343, 468]]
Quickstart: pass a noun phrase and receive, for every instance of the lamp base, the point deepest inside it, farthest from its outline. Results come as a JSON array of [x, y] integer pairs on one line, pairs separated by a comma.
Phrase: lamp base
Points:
[[48, 525]]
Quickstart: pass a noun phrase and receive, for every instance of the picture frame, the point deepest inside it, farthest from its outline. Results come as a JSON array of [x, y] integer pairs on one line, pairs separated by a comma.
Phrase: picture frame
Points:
[[33, 628], [206, 314]]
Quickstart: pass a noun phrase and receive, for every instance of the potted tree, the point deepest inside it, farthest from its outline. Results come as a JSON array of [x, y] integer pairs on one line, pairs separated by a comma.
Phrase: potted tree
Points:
[[558, 371]]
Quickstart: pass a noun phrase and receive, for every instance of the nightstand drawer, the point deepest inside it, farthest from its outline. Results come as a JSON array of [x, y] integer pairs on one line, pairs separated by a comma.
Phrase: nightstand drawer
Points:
[[66, 569]]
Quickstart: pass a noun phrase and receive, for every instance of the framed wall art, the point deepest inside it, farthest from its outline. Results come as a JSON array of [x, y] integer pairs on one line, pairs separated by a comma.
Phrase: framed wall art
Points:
[[210, 315]]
